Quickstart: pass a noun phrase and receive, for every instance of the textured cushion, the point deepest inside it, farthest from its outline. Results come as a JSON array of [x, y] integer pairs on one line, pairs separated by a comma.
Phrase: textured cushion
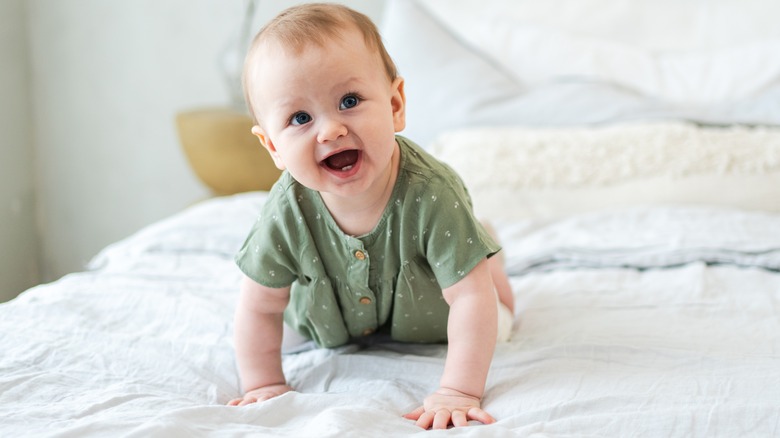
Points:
[[525, 172]]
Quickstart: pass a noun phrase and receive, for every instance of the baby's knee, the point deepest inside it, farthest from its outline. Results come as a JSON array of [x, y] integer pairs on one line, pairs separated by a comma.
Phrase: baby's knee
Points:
[[506, 320]]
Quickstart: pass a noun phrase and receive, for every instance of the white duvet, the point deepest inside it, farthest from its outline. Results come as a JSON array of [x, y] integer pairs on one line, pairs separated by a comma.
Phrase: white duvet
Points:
[[666, 342]]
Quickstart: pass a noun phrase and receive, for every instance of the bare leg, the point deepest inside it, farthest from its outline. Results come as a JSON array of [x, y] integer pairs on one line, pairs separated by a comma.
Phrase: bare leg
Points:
[[500, 279]]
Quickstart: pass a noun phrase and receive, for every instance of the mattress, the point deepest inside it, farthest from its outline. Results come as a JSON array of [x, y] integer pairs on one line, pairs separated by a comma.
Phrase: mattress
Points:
[[653, 320]]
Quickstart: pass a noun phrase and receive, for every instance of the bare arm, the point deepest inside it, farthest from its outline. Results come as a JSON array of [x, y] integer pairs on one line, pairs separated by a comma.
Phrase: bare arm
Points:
[[258, 339], [471, 329]]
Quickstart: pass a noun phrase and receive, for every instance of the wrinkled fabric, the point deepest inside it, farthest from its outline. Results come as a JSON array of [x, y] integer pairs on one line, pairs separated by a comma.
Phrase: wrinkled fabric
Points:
[[141, 346]]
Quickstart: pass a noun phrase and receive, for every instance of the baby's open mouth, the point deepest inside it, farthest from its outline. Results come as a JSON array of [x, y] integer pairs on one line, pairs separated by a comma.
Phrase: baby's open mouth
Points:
[[342, 161]]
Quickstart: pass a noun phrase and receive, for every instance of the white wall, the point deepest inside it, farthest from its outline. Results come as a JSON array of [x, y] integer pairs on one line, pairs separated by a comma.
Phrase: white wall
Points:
[[108, 79], [18, 241]]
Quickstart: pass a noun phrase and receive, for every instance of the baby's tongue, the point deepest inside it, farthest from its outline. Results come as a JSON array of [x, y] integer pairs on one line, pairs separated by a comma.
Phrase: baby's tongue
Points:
[[342, 160]]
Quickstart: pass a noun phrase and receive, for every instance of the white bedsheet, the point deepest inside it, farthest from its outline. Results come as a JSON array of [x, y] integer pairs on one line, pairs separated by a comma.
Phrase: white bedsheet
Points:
[[141, 345]]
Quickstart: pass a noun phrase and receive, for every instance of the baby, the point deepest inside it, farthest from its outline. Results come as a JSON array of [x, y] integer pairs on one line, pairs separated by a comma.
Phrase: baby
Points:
[[365, 234]]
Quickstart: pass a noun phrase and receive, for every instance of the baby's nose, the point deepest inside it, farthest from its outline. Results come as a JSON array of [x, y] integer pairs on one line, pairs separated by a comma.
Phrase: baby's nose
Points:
[[331, 129]]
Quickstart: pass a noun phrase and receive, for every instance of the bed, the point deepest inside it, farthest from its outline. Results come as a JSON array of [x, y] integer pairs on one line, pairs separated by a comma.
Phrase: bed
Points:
[[638, 208]]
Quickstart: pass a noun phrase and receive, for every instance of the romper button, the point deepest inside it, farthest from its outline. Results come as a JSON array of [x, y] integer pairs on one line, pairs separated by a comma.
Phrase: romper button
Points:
[[360, 255], [368, 331], [365, 300]]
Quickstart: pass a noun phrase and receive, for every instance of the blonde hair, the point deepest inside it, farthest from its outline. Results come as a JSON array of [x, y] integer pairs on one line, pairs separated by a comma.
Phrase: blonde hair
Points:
[[315, 23]]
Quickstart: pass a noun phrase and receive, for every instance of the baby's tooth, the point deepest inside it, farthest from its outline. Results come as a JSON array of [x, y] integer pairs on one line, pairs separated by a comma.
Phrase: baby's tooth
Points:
[[346, 168]]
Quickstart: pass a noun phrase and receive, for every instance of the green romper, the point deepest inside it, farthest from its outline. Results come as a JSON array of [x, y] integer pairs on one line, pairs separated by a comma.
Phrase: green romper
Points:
[[389, 280]]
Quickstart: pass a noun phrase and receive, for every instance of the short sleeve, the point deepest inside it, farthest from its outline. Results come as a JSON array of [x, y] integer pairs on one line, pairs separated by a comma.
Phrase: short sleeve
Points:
[[267, 254], [454, 240]]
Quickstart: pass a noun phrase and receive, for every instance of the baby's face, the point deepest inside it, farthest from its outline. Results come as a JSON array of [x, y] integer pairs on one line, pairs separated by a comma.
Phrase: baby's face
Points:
[[328, 114]]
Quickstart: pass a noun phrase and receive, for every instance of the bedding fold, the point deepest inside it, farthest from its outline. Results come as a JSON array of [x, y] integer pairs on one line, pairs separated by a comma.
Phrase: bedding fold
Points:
[[646, 237], [644, 258]]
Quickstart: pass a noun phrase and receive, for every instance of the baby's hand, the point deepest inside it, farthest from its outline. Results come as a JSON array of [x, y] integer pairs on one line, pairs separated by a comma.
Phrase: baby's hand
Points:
[[448, 406], [260, 394]]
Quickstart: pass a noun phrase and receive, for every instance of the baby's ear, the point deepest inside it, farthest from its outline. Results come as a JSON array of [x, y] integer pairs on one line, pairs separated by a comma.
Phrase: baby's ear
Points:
[[398, 102], [268, 145]]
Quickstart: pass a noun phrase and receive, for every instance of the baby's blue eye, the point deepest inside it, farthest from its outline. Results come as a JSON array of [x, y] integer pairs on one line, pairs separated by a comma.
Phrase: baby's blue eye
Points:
[[349, 101], [300, 119]]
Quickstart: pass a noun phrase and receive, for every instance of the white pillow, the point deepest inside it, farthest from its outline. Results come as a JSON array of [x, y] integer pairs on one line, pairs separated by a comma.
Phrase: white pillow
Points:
[[451, 83], [652, 25], [520, 172], [638, 45]]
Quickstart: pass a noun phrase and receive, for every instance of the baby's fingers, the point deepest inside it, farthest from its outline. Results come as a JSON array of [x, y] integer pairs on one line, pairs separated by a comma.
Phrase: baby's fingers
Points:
[[241, 401], [415, 414], [459, 419], [246, 400], [426, 420], [480, 415], [441, 419], [249, 401], [421, 417], [234, 402]]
